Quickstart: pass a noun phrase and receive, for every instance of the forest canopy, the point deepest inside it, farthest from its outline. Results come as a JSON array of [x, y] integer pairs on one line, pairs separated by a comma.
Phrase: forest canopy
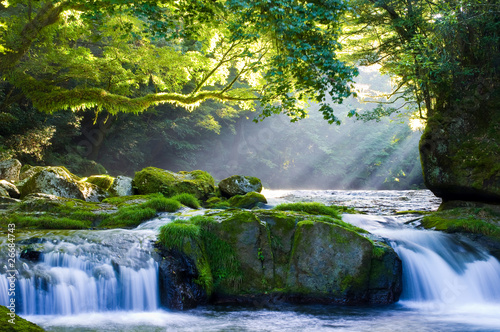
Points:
[[125, 56]]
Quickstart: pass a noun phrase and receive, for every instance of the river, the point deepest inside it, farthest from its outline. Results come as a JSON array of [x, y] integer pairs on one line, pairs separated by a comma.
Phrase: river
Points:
[[106, 280]]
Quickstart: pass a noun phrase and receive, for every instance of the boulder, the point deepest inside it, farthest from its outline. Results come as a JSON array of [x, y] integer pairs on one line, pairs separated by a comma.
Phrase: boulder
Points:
[[122, 186], [239, 185], [11, 189], [274, 256], [248, 201], [58, 181], [155, 180], [460, 150], [9, 170]]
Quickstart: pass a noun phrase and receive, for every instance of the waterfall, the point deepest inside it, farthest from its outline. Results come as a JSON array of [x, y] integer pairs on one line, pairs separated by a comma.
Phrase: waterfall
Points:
[[87, 272], [440, 271]]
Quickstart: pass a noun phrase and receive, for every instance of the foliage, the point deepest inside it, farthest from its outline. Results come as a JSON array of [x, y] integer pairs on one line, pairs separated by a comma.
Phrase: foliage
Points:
[[437, 51], [98, 54]]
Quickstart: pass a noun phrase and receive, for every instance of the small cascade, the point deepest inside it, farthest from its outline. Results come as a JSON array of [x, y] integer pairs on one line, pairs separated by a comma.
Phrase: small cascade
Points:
[[87, 272], [438, 269]]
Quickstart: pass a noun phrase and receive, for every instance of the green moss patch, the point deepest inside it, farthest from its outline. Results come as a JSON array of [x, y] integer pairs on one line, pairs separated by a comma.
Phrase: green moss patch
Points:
[[311, 208], [188, 200], [102, 181], [20, 324], [469, 220], [65, 213]]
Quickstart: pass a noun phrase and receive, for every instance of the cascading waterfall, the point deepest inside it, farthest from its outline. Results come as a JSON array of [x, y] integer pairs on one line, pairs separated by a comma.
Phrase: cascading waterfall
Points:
[[86, 271], [440, 271]]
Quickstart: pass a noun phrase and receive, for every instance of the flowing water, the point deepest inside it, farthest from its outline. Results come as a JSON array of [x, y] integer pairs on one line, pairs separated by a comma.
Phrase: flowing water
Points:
[[107, 281]]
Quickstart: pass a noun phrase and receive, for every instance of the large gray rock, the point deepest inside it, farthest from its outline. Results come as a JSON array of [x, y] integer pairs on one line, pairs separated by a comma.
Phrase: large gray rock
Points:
[[60, 182], [271, 256], [239, 185], [122, 186], [10, 188], [9, 170]]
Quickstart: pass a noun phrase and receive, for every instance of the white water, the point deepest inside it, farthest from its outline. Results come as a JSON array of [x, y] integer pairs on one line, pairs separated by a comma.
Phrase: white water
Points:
[[106, 280], [87, 271], [441, 272]]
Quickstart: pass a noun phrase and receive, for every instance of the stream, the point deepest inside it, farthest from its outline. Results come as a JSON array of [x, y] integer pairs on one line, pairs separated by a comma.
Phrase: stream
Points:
[[106, 280]]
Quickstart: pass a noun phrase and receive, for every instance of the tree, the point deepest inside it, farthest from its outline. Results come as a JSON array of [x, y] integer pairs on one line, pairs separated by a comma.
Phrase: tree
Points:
[[445, 58], [101, 54]]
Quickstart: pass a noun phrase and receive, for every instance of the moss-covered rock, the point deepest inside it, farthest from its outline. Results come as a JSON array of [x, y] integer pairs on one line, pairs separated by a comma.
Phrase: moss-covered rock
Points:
[[288, 255], [42, 211], [156, 180], [10, 169], [58, 181], [329, 261], [10, 322], [239, 185], [460, 149], [247, 201], [480, 223]]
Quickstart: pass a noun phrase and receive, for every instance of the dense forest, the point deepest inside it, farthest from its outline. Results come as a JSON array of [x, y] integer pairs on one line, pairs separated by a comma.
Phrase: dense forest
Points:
[[310, 153], [119, 85]]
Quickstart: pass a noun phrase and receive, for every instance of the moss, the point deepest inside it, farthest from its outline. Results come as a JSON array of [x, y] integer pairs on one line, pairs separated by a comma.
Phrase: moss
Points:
[[341, 223], [311, 208], [162, 204], [102, 181], [45, 221], [173, 235], [461, 220], [129, 200], [248, 201], [188, 200], [219, 268], [156, 180], [129, 216], [76, 214], [20, 324]]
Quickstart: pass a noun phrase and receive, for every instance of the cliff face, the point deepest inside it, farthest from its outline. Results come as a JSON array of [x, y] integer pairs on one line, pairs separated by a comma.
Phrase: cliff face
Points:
[[460, 148]]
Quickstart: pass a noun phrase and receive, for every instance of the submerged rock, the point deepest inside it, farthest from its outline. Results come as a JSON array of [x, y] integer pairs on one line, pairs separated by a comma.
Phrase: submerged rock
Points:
[[9, 170], [239, 185], [274, 256], [155, 180], [60, 182]]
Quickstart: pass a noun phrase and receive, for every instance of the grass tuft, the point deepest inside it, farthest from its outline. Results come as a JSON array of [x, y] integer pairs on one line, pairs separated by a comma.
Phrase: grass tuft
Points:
[[188, 200]]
